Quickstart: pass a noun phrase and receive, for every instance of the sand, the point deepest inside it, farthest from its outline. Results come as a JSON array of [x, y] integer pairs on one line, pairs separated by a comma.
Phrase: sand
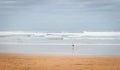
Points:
[[58, 62]]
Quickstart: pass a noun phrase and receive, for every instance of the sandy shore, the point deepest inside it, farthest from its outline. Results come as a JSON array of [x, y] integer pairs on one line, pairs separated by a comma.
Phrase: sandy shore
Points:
[[58, 62]]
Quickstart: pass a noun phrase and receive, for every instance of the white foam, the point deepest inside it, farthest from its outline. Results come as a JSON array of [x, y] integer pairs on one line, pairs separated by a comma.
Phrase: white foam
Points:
[[102, 33], [64, 35]]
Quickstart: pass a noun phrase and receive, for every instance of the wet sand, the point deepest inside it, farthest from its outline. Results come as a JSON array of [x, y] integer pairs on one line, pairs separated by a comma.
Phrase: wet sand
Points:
[[58, 62]]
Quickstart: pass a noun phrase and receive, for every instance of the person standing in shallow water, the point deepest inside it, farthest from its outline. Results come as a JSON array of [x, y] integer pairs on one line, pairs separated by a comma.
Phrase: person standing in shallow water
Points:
[[73, 47]]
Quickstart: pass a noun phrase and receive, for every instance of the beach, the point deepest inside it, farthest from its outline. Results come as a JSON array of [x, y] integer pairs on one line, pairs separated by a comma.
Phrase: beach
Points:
[[59, 35], [15, 61]]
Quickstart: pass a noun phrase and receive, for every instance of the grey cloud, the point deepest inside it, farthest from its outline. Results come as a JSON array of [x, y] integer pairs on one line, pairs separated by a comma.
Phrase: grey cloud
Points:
[[82, 3], [64, 12]]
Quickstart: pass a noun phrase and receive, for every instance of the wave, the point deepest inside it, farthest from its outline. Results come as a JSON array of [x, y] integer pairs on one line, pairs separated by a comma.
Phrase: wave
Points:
[[60, 35]]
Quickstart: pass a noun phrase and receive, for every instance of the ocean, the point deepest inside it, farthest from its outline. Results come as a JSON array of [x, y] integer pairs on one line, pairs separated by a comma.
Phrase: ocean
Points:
[[93, 43]]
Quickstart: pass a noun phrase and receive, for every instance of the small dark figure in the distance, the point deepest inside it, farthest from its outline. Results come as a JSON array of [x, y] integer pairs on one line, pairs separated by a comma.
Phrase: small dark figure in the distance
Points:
[[73, 47]]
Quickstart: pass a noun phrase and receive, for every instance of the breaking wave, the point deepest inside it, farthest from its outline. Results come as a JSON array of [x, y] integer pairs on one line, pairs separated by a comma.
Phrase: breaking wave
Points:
[[61, 35]]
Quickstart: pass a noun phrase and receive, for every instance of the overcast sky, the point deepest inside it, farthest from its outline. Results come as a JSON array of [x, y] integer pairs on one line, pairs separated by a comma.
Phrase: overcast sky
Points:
[[60, 15]]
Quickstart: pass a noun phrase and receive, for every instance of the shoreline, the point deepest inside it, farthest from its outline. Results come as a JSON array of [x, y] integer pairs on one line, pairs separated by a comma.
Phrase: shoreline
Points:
[[60, 54]]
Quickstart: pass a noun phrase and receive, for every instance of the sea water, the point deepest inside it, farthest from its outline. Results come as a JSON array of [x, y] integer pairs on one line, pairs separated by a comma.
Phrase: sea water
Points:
[[102, 43]]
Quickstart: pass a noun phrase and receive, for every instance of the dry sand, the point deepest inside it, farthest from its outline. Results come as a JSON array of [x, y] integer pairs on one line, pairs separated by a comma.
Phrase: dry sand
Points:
[[58, 62]]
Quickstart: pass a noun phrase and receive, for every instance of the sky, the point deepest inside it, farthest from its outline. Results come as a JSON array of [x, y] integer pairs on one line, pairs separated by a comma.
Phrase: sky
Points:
[[60, 15]]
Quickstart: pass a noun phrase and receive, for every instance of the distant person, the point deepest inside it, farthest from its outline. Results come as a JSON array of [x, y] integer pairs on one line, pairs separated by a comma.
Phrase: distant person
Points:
[[73, 46]]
